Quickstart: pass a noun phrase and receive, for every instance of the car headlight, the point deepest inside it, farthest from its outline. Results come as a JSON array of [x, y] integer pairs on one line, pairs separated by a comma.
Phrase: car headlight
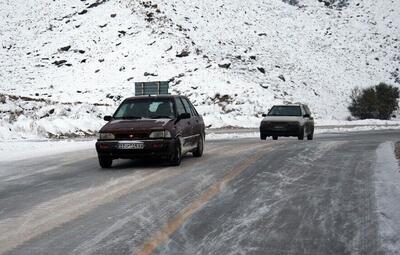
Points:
[[107, 136], [160, 134]]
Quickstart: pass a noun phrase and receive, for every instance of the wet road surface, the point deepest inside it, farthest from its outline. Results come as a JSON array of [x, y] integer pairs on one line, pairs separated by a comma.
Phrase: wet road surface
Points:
[[243, 196]]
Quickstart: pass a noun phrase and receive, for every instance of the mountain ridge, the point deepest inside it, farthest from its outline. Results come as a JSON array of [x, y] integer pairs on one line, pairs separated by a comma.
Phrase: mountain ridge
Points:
[[233, 59]]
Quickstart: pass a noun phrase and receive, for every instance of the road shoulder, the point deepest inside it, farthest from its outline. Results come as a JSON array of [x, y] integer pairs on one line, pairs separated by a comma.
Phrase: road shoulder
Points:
[[387, 190]]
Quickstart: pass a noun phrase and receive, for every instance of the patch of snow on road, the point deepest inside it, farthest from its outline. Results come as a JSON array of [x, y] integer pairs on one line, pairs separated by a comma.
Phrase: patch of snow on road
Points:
[[18, 150], [387, 185]]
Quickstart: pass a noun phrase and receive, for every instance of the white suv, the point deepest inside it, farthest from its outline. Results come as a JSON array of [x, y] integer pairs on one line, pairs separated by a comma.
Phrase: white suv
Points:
[[288, 120]]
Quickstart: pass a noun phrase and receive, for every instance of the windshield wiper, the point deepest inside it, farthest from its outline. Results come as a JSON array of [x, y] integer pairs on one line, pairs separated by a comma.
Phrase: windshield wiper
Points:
[[160, 117], [131, 117]]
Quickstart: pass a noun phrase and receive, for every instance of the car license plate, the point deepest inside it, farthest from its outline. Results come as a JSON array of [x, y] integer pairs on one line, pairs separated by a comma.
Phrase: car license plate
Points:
[[130, 146], [279, 127]]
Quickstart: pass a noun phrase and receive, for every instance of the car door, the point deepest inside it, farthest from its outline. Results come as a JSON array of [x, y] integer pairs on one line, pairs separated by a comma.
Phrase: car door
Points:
[[309, 121], [184, 127], [198, 121], [192, 139], [198, 124]]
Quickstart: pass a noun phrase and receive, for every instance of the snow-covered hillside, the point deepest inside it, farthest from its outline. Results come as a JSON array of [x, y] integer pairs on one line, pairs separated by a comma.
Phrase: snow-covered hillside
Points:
[[66, 63]]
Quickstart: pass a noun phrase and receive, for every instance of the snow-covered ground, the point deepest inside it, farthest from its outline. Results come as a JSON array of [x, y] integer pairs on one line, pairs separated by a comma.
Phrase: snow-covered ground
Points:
[[73, 61], [387, 189]]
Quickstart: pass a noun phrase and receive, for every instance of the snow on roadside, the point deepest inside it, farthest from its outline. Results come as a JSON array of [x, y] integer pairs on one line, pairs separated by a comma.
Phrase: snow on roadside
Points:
[[367, 122], [234, 135], [344, 129], [30, 118], [253, 133], [387, 190], [18, 150], [11, 150]]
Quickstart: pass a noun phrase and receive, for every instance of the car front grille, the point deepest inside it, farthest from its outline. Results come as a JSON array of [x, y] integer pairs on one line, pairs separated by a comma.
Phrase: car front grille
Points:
[[132, 136], [280, 125], [284, 124]]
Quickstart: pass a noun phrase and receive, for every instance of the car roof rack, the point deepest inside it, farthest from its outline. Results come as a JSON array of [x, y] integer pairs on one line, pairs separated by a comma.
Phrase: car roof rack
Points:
[[151, 88]]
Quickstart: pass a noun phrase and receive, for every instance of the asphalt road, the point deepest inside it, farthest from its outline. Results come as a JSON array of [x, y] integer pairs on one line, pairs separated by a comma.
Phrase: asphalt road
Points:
[[242, 197]]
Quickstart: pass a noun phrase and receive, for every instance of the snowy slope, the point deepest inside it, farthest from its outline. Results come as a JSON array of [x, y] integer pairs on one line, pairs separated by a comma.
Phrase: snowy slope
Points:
[[90, 52]]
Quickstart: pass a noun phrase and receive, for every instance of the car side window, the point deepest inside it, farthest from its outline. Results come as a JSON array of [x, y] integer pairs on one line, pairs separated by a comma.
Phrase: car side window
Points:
[[304, 110], [123, 110], [179, 106], [191, 107], [195, 113], [307, 110], [187, 106]]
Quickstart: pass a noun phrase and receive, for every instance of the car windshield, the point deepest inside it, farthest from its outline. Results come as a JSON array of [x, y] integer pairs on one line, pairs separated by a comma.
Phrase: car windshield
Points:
[[285, 111], [146, 108]]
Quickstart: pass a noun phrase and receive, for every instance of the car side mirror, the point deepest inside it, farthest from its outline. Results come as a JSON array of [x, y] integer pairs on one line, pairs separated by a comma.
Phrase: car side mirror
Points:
[[107, 118], [306, 116], [264, 115], [184, 116]]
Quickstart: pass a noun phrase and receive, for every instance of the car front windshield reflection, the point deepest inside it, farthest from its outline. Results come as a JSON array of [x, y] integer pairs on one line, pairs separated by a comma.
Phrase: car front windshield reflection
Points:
[[153, 109], [285, 111]]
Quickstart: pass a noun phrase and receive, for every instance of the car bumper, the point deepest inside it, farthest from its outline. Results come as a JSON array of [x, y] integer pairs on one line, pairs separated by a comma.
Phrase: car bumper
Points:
[[151, 149], [293, 130]]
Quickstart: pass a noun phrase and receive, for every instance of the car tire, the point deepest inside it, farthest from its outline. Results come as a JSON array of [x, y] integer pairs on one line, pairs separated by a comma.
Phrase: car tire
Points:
[[275, 137], [301, 134], [177, 155], [263, 137], [310, 136], [200, 147], [105, 162]]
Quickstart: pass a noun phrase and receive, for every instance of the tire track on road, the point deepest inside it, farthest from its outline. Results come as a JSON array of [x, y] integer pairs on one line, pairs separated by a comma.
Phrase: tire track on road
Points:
[[49, 215], [174, 224]]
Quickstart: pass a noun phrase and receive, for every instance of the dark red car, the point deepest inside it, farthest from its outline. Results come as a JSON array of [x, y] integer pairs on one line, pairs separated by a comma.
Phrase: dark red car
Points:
[[163, 126]]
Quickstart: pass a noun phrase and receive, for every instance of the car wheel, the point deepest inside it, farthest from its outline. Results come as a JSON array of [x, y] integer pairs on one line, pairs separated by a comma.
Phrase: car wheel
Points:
[[200, 147], [301, 135], [105, 162], [263, 137], [310, 136], [177, 155], [275, 137]]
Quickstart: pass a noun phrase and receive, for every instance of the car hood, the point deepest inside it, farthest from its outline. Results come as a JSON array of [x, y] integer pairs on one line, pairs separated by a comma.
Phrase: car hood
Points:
[[130, 125], [283, 118]]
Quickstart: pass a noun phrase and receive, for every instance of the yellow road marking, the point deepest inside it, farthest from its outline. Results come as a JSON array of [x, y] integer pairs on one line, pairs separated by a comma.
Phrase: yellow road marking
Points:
[[173, 225]]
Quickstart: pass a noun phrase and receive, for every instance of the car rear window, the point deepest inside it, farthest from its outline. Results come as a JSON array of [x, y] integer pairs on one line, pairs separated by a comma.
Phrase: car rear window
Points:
[[285, 111], [145, 108]]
